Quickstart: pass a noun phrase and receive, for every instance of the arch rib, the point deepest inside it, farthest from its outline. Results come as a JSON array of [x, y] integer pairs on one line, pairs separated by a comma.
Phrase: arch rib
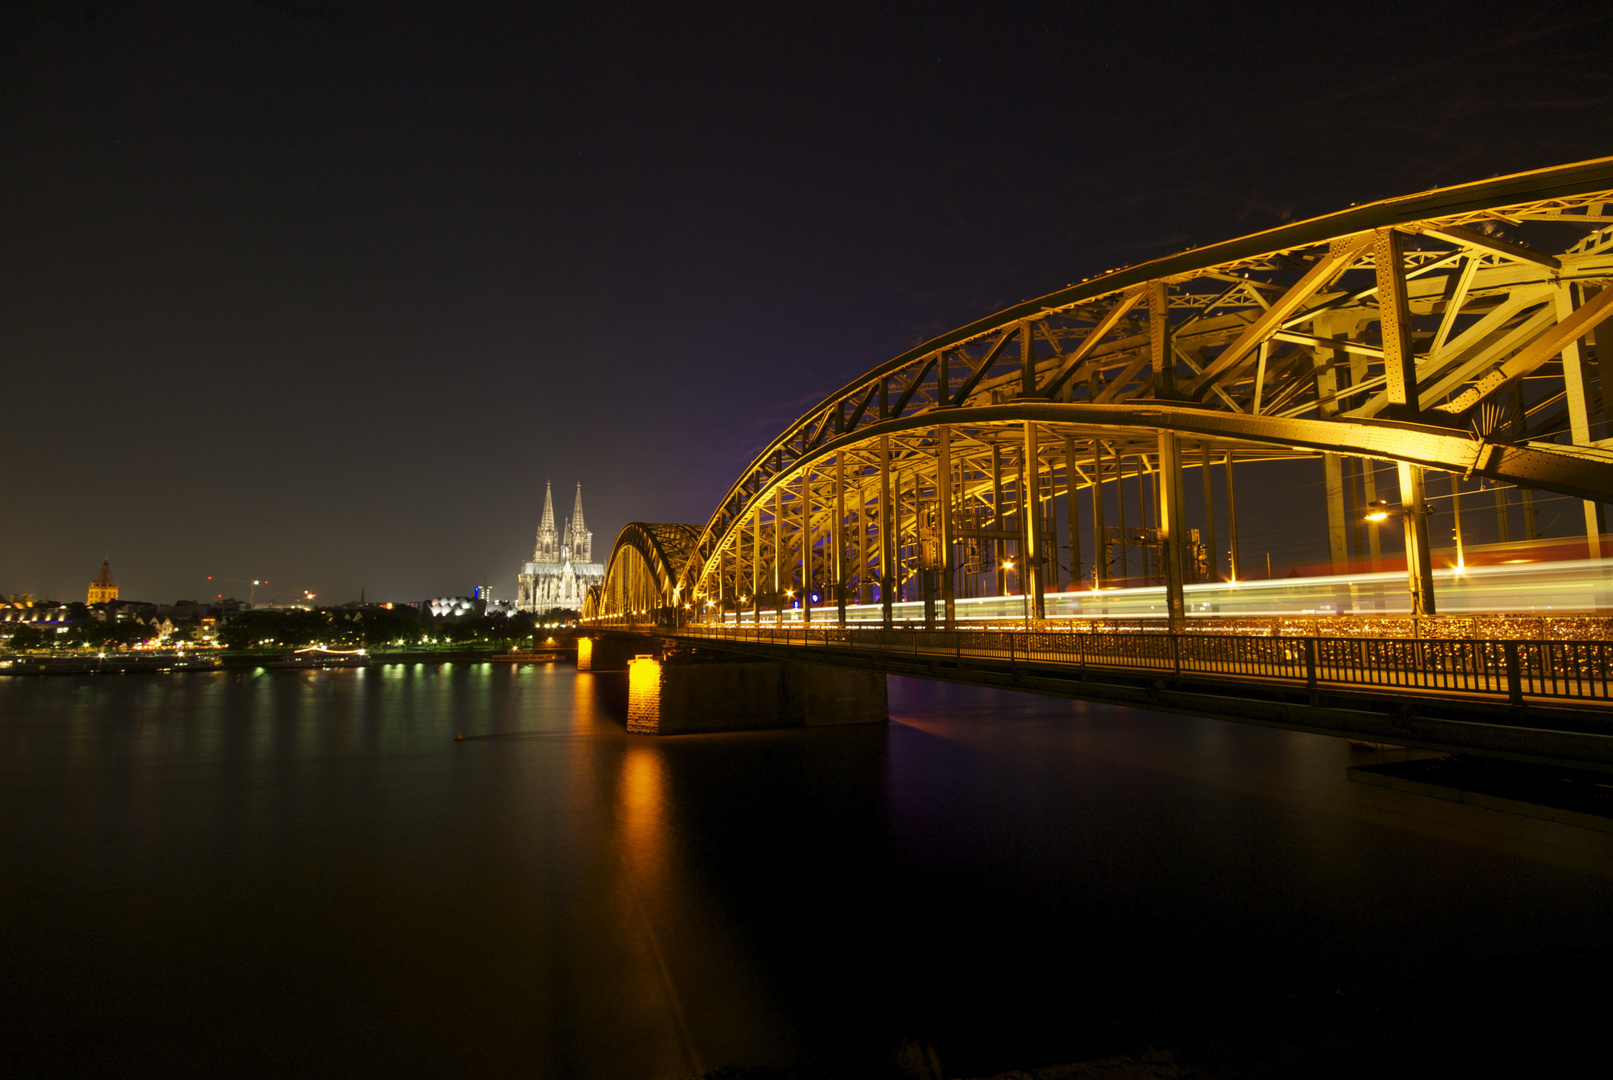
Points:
[[1273, 338]]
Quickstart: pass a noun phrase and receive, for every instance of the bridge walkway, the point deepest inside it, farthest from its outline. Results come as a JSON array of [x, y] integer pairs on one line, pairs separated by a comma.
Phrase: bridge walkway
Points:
[[1548, 701]]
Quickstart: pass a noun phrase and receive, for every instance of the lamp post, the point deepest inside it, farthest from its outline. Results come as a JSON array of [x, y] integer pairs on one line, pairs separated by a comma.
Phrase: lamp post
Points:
[[1413, 513], [1024, 597]]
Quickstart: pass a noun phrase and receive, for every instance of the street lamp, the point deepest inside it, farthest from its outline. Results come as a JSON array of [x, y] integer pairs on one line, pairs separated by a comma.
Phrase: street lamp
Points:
[[1382, 510], [1024, 597]]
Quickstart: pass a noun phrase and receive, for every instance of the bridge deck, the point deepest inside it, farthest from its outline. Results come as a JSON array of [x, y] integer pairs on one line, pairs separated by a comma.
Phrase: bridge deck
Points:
[[1549, 701]]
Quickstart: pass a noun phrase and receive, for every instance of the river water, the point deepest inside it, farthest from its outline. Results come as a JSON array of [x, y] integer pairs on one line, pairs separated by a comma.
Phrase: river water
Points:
[[293, 872]]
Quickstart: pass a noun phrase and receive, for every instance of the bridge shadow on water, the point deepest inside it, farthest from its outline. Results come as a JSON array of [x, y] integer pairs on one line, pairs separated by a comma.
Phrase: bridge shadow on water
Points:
[[1017, 881]]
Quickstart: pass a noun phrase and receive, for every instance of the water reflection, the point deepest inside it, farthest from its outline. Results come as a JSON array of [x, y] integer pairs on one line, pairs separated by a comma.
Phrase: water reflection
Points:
[[639, 804], [304, 870]]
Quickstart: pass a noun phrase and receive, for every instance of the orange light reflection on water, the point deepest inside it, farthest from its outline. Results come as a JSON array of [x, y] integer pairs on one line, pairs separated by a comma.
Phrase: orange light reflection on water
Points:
[[641, 806]]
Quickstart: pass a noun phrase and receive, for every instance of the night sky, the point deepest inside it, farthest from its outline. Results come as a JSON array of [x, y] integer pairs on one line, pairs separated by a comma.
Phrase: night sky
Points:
[[322, 292]]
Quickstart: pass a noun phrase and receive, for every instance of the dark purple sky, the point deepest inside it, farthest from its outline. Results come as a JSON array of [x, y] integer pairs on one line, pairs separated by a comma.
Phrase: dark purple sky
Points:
[[323, 291]]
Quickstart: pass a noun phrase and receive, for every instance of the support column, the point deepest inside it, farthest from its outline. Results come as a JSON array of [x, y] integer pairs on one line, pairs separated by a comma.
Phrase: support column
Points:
[[806, 548], [1369, 491], [1072, 512], [899, 587], [1214, 559], [885, 575], [1049, 496], [1337, 525], [1171, 526], [1328, 365], [1234, 564], [998, 573], [1030, 492], [1120, 504], [1456, 521], [1419, 564], [756, 567], [867, 492], [1147, 495], [1355, 506], [1578, 402], [1100, 550], [943, 478], [839, 535], [778, 554]]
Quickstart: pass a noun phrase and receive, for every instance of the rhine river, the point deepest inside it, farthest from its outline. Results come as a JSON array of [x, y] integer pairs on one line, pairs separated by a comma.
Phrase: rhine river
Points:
[[304, 873]]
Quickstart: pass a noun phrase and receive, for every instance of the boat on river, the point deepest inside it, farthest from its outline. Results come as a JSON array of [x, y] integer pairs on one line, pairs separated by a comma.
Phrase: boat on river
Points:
[[529, 656], [318, 656], [113, 663]]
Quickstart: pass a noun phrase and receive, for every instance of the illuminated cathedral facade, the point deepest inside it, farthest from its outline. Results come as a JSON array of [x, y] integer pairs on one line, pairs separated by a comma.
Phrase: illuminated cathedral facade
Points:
[[562, 567]]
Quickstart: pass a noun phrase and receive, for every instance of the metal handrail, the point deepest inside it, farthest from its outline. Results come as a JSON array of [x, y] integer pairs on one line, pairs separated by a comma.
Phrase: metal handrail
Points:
[[1581, 671]]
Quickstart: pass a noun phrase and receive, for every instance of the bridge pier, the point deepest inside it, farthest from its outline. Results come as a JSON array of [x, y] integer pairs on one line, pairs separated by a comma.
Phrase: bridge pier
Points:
[[685, 695]]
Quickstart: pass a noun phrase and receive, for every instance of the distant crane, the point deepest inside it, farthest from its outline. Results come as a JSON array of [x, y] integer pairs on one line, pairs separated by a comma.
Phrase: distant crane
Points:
[[308, 595], [252, 586]]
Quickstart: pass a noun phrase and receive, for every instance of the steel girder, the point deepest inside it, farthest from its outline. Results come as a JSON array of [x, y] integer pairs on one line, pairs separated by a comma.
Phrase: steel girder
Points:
[[804, 496], [1390, 330], [1445, 330]]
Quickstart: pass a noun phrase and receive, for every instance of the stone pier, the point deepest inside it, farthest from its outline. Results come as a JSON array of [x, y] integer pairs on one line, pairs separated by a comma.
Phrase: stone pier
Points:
[[680, 695]]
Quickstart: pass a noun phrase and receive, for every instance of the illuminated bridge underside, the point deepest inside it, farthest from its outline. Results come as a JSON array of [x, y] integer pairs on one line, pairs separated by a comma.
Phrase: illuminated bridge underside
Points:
[[1457, 330]]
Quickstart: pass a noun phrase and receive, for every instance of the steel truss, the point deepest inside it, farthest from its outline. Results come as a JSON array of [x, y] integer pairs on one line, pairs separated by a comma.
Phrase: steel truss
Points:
[[1456, 330]]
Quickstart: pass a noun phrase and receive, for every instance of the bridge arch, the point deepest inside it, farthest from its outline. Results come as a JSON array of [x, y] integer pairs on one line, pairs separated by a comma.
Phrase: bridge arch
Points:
[[1399, 331], [643, 578]]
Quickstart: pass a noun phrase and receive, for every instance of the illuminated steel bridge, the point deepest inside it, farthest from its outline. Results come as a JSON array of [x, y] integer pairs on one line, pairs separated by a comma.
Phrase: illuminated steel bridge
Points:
[[1454, 333], [1005, 504]]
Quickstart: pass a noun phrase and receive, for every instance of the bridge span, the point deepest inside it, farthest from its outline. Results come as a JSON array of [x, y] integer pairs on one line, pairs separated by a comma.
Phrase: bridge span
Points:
[[1015, 491]]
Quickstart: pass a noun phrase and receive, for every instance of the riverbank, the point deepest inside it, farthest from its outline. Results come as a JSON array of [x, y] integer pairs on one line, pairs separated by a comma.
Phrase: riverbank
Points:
[[146, 663]]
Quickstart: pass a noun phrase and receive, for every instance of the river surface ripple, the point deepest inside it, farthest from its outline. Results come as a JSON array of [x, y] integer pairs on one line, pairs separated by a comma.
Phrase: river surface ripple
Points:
[[295, 872]]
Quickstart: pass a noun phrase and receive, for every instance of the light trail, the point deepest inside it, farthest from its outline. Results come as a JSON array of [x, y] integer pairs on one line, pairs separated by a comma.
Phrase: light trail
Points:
[[1555, 588]]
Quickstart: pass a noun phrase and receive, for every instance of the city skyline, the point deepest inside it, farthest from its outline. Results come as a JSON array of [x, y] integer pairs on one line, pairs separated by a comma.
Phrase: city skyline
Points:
[[306, 295]]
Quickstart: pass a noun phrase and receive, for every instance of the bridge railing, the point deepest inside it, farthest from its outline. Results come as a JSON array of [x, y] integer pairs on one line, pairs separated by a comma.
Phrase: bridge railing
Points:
[[1579, 670]]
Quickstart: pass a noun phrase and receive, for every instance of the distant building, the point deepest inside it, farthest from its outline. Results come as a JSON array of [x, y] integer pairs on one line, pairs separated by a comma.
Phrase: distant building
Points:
[[562, 567], [103, 589], [460, 607], [25, 609]]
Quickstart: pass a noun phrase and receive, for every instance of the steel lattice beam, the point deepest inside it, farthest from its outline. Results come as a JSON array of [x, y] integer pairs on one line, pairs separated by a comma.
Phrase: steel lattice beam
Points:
[[1430, 309]]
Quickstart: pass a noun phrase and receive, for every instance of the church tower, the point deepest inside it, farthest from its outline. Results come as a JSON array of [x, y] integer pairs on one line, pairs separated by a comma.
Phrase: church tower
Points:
[[547, 549], [103, 588], [579, 541]]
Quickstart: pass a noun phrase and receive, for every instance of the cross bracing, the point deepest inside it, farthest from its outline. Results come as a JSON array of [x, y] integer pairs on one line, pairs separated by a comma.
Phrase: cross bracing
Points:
[[1456, 330]]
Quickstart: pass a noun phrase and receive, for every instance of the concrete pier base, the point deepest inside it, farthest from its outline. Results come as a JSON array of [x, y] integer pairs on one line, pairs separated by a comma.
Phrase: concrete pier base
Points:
[[679, 696]]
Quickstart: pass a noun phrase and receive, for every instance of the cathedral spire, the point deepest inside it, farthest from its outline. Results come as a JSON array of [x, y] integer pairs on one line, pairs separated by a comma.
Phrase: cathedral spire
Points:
[[547, 549], [548, 508], [576, 514]]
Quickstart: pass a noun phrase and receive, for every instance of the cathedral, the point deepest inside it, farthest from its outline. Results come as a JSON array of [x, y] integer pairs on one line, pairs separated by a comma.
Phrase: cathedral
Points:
[[562, 567]]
